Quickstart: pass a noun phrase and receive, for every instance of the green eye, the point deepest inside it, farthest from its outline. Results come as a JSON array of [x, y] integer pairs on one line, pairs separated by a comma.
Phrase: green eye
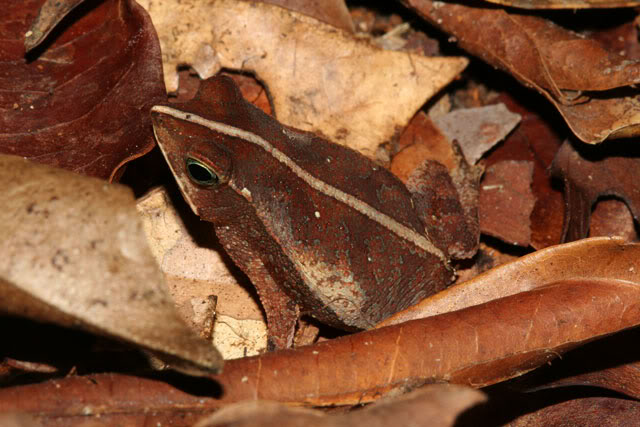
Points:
[[200, 173]]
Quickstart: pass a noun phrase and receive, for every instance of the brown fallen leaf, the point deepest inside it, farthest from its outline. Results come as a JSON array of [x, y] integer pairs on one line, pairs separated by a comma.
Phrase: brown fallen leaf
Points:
[[591, 172], [74, 254], [479, 345], [589, 411], [421, 140], [55, 112], [598, 258], [333, 12], [535, 140], [611, 217], [566, 4], [195, 270], [542, 55], [320, 79], [506, 202], [609, 363], [434, 405], [107, 400]]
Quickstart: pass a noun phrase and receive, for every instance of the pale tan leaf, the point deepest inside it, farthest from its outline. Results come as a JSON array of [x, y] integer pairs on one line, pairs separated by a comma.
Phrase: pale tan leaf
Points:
[[74, 253], [320, 79], [196, 270]]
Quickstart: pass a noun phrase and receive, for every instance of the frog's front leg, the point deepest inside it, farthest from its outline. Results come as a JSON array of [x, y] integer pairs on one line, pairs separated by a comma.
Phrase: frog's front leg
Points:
[[281, 311]]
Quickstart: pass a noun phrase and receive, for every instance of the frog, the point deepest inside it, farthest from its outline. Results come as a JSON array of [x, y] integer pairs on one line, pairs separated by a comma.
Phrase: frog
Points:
[[318, 228]]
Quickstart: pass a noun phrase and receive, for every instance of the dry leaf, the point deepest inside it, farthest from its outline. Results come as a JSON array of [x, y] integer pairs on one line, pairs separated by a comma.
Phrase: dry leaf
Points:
[[566, 4], [536, 141], [479, 345], [114, 399], [320, 79], [435, 405], [74, 254], [591, 172], [611, 217], [589, 411], [477, 129], [598, 258], [545, 56], [421, 140], [194, 270], [506, 202], [333, 12], [82, 101]]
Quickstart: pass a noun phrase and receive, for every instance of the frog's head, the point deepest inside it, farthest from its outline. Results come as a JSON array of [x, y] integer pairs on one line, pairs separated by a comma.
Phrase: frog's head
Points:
[[201, 141]]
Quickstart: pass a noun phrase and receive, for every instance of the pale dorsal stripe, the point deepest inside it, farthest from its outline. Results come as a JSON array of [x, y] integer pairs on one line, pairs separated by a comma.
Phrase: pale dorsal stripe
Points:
[[315, 183]]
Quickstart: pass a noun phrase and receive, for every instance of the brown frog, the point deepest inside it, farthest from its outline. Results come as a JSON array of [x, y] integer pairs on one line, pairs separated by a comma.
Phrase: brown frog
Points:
[[317, 227]]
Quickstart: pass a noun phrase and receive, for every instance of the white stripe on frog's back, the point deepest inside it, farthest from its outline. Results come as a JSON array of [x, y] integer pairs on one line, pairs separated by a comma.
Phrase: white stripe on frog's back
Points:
[[317, 184]]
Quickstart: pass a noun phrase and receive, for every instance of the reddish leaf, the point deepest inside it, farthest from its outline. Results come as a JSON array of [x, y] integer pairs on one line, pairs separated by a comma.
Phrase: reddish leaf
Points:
[[436, 405], [590, 172], [479, 345], [536, 141], [594, 411], [609, 363], [589, 259], [506, 201], [545, 56], [82, 102], [611, 217]]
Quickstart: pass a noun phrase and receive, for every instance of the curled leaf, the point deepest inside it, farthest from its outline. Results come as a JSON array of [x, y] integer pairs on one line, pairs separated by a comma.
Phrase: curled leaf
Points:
[[545, 56], [74, 253], [320, 79], [80, 102]]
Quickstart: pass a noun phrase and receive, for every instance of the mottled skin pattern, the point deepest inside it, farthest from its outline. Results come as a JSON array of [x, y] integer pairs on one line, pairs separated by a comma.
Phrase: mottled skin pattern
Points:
[[304, 250]]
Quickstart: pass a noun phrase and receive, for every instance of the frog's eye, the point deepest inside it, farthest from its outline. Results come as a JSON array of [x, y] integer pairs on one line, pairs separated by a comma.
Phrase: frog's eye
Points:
[[200, 173]]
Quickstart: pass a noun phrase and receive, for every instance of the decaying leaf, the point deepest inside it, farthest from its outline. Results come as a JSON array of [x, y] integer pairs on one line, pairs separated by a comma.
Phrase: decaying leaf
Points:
[[107, 399], [73, 253], [600, 411], [479, 345], [609, 363], [320, 79], [82, 101], [545, 56], [611, 217], [536, 141], [566, 4], [506, 202], [115, 399], [591, 172], [435, 405], [196, 270], [598, 258], [333, 12], [477, 129], [421, 140]]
